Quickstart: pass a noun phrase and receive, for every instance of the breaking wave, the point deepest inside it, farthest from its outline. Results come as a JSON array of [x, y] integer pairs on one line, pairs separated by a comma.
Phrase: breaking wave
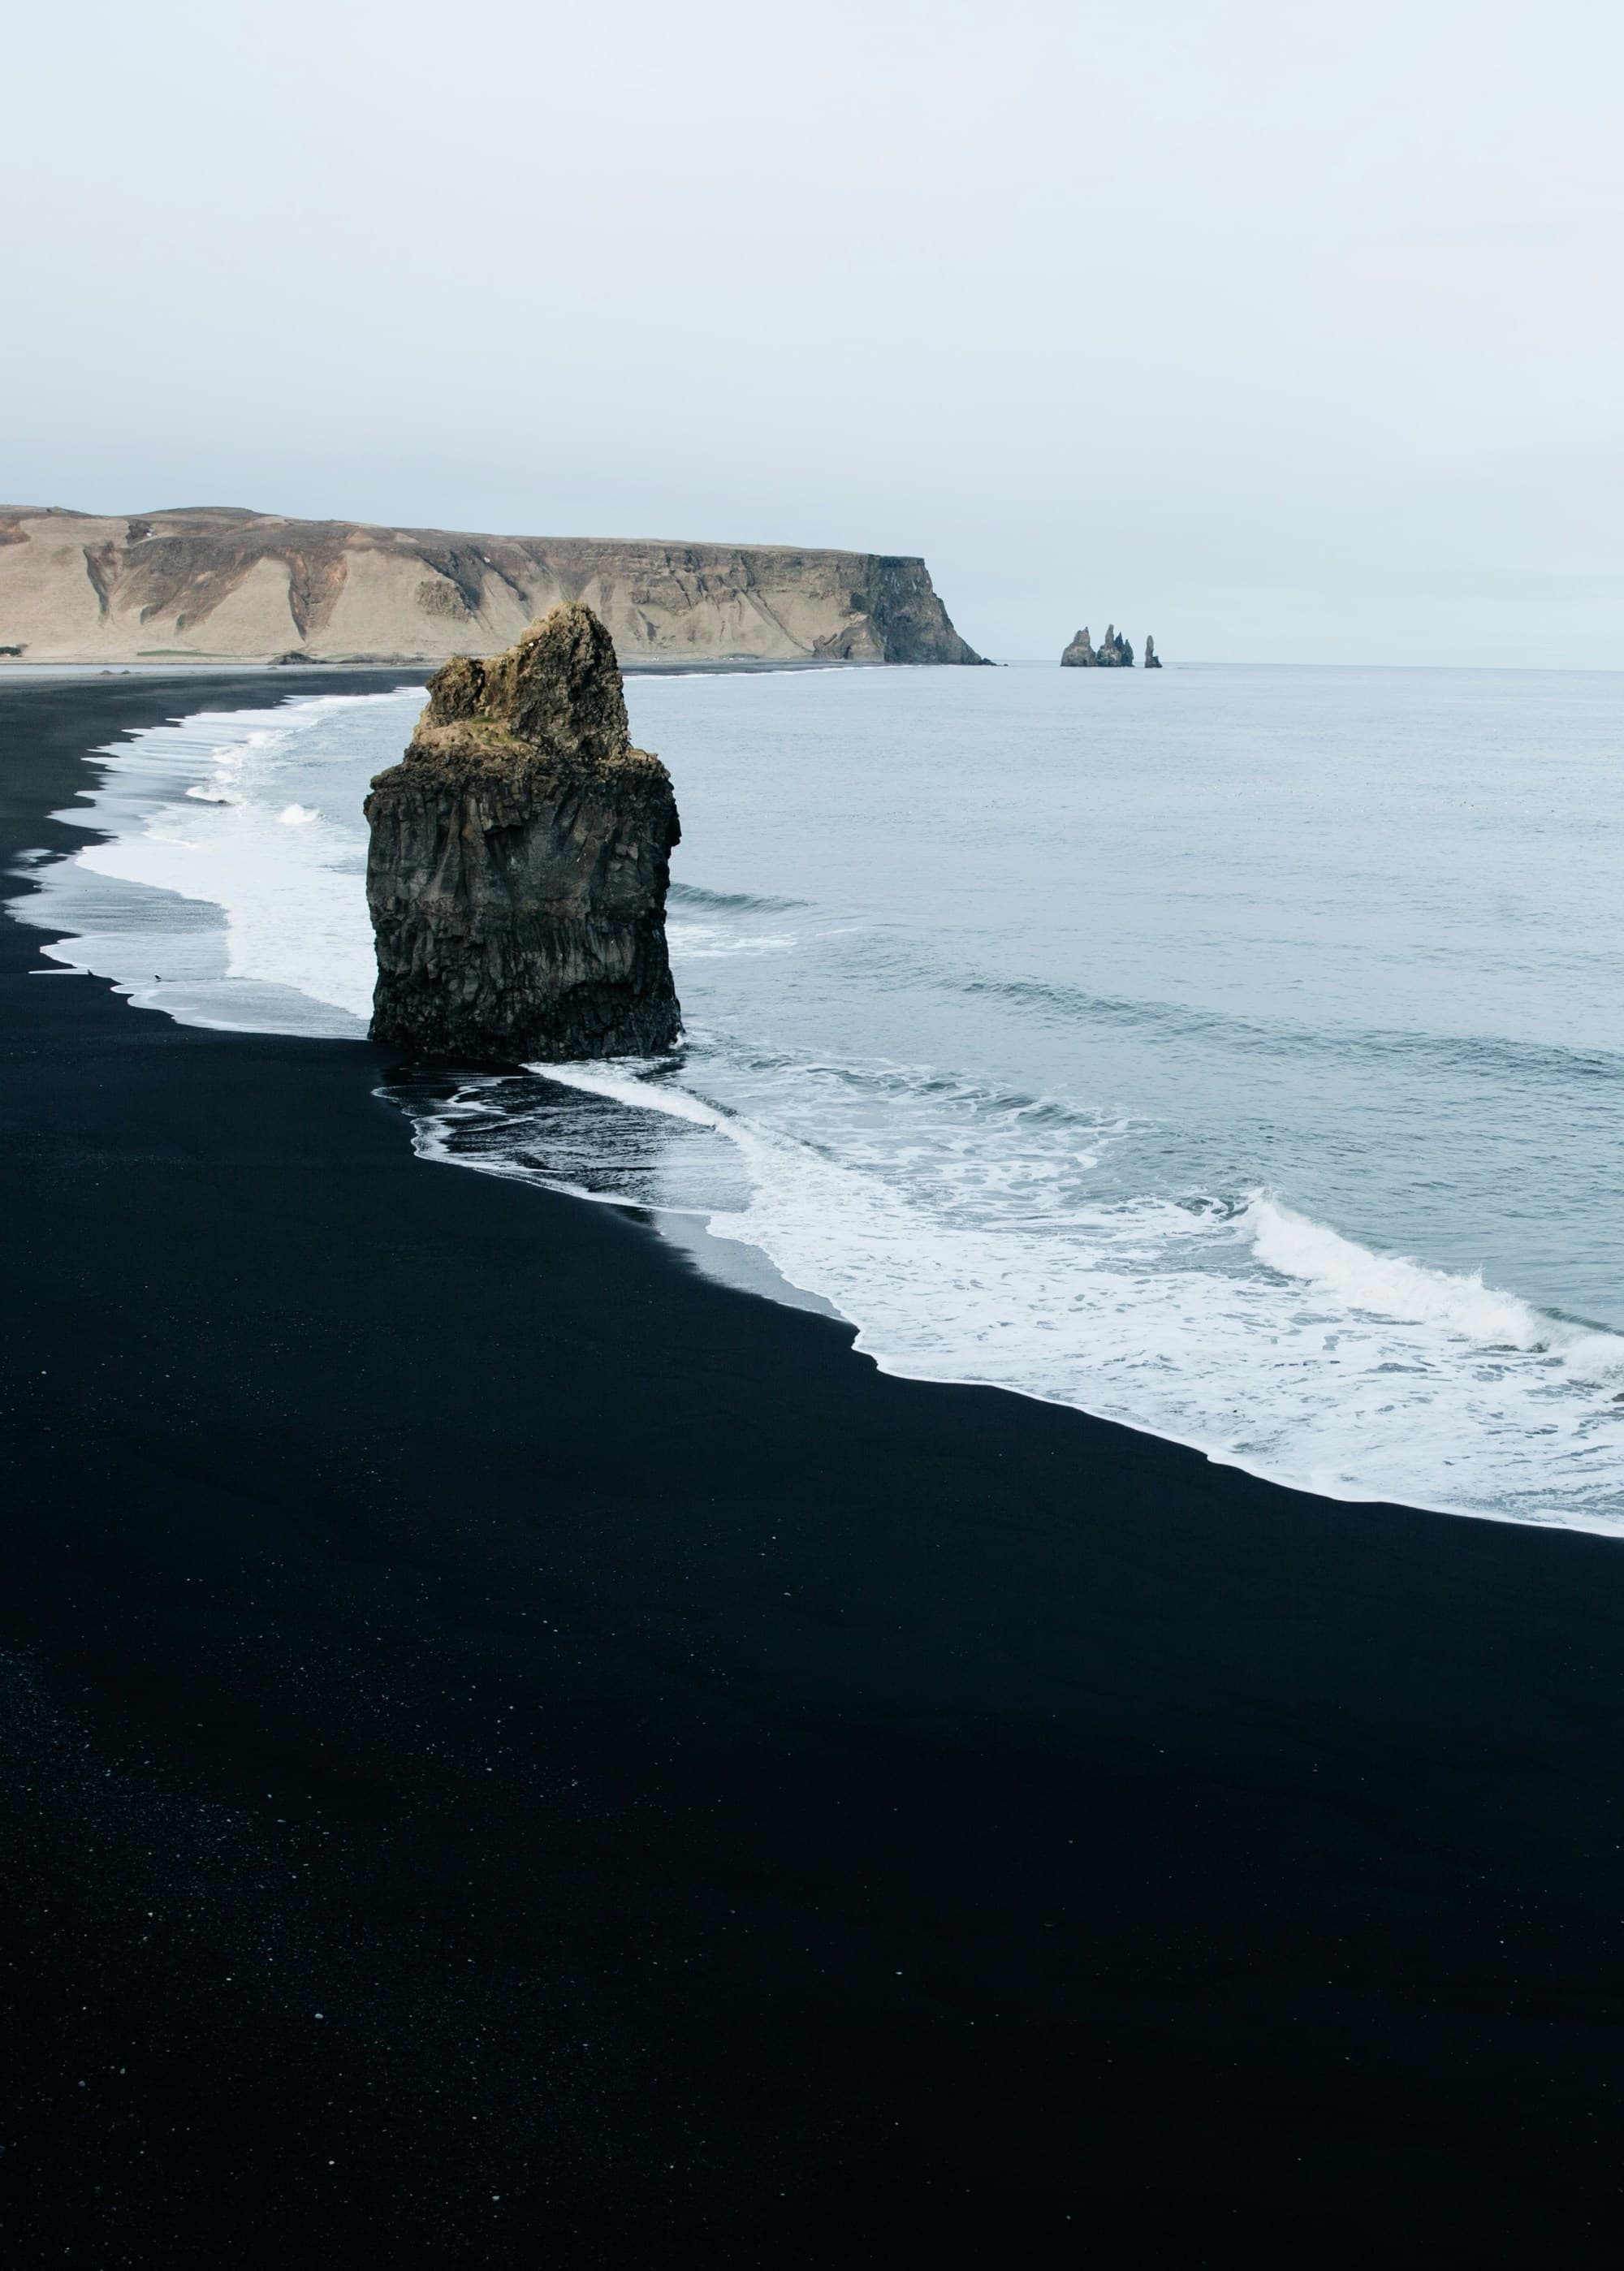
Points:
[[1235, 1325], [694, 895]]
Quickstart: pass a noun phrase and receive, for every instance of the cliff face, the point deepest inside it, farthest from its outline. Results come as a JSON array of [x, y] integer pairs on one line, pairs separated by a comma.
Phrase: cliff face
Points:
[[217, 583], [519, 863]]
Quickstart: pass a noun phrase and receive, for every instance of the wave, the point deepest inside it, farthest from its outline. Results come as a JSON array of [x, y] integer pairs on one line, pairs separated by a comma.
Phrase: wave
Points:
[[1485, 1055], [692, 941], [211, 893], [1404, 1292], [695, 895], [1240, 1328]]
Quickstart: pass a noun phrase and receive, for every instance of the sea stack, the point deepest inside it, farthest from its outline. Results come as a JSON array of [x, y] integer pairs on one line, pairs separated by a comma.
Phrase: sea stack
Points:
[[519, 863], [1112, 653], [1152, 660]]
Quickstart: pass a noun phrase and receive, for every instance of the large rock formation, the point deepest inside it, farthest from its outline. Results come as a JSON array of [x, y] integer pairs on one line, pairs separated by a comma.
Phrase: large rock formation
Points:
[[1113, 653], [215, 583], [1152, 660], [520, 858]]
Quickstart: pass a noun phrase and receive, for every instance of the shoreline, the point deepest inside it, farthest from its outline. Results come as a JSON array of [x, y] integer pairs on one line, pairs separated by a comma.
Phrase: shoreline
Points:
[[727, 1803], [14, 669], [752, 1267]]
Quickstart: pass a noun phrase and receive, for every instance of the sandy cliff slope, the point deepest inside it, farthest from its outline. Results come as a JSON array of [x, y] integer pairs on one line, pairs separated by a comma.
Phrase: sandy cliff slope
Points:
[[215, 583]]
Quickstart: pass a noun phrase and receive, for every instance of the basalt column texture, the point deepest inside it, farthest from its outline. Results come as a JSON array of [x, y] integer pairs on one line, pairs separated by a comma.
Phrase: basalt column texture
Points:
[[519, 863]]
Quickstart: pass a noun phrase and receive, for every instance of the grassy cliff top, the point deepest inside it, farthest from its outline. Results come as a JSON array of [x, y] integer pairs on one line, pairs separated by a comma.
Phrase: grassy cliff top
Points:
[[549, 708]]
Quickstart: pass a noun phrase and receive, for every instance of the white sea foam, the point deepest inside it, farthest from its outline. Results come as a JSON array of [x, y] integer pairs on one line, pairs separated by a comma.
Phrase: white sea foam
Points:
[[702, 942], [1363, 1376], [199, 812], [1391, 1286]]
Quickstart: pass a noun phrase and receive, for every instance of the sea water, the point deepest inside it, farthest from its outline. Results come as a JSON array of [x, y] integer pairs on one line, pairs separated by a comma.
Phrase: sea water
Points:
[[1235, 1052]]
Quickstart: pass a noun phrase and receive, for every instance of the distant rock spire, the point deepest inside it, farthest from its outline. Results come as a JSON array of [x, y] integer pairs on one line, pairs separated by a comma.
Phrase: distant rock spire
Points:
[[1152, 660], [1112, 653]]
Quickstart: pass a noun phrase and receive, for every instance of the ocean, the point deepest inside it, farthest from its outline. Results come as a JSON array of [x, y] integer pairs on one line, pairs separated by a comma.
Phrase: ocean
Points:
[[1232, 1053]]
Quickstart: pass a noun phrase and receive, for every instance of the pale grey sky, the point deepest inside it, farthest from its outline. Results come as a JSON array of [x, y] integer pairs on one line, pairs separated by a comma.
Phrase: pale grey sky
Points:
[[1291, 331]]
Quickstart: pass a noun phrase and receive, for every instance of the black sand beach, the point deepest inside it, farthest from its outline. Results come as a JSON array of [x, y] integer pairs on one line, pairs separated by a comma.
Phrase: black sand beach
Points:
[[513, 1753]]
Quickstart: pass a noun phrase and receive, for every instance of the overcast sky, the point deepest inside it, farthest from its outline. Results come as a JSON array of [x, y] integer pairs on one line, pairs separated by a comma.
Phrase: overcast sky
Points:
[[1291, 333]]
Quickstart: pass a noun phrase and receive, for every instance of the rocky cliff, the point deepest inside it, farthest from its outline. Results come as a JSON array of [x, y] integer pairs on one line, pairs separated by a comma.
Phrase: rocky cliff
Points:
[[215, 583], [519, 863]]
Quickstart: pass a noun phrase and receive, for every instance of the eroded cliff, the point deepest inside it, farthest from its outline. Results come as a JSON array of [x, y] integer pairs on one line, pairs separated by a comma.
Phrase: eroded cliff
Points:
[[519, 863], [217, 583]]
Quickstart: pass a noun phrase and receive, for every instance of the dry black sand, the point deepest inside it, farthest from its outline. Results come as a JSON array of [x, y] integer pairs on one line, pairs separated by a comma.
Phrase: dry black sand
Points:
[[511, 1754]]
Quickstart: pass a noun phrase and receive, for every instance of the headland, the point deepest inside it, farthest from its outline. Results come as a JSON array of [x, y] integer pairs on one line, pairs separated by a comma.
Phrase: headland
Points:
[[221, 584]]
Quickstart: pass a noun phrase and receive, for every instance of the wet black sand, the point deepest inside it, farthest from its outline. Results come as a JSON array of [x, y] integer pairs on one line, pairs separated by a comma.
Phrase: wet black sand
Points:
[[511, 1754]]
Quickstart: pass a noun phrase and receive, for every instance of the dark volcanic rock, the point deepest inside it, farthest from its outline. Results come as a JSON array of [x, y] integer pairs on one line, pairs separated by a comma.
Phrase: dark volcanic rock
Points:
[[520, 858], [1112, 653], [1152, 660]]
